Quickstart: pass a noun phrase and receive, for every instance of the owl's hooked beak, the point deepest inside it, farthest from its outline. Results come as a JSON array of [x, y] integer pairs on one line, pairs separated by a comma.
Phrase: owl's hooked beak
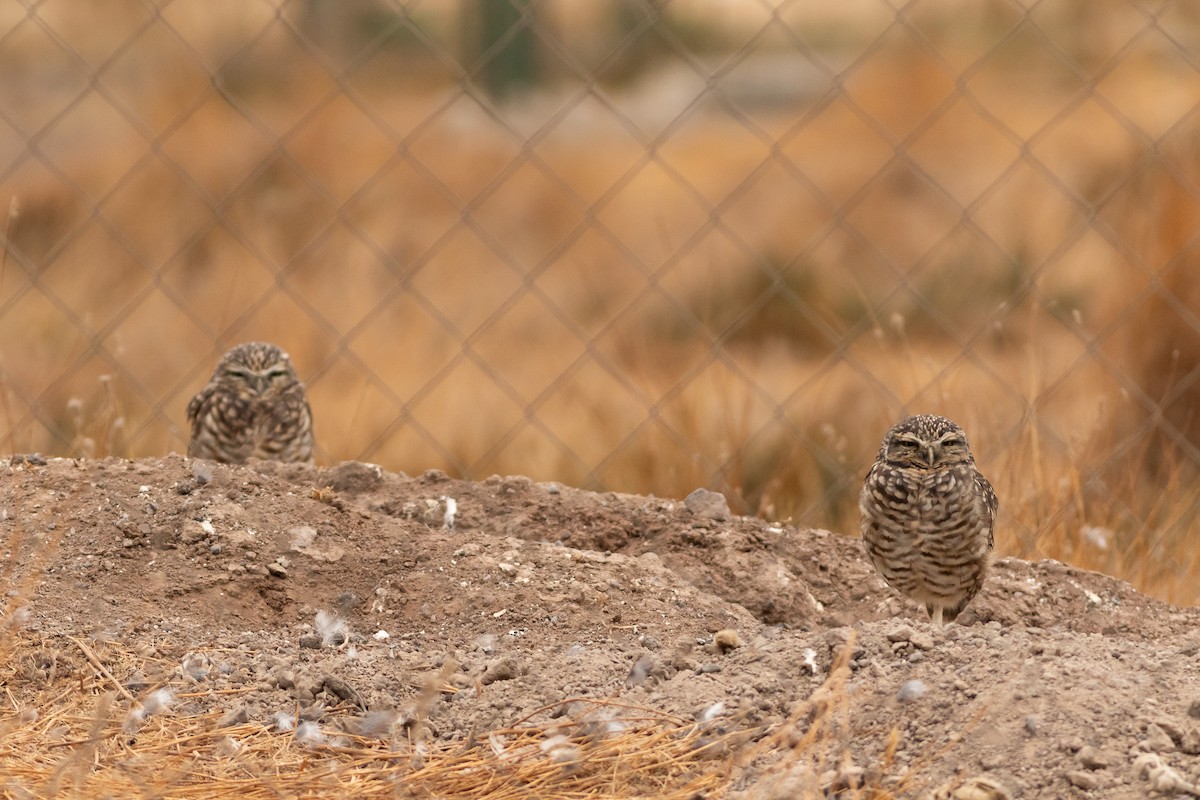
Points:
[[930, 450]]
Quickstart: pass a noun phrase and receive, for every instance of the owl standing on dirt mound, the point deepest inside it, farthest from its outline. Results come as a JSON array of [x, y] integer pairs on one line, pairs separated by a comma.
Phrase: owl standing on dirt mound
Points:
[[928, 515], [254, 406]]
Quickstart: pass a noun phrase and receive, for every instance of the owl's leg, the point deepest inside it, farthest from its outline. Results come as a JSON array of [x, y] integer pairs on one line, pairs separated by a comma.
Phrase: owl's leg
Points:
[[935, 614]]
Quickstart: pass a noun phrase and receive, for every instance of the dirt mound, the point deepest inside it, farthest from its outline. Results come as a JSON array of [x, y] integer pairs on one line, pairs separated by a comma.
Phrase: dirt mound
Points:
[[292, 590]]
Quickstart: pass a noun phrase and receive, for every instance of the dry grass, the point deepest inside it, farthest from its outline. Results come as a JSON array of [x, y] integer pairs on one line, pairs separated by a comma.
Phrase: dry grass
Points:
[[89, 753], [743, 310], [75, 723], [71, 729]]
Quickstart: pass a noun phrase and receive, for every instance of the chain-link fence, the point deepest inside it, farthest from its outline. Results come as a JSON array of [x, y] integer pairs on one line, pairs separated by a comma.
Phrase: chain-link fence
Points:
[[639, 246]]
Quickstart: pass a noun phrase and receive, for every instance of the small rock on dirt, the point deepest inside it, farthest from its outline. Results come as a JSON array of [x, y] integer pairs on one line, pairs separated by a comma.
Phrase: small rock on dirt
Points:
[[921, 640], [354, 477], [504, 669], [1092, 758], [1083, 780], [282, 678], [982, 788], [707, 505], [1170, 729], [235, 716], [339, 688], [1157, 740]]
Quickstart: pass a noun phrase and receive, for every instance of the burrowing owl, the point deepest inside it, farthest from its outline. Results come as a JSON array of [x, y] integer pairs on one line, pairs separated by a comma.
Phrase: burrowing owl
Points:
[[254, 406], [928, 514]]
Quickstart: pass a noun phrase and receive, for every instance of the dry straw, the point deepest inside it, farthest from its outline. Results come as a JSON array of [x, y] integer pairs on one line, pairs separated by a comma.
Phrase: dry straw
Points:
[[67, 731]]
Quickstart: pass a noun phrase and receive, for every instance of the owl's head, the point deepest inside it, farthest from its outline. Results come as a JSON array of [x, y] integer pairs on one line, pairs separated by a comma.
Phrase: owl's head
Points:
[[925, 442], [257, 369]]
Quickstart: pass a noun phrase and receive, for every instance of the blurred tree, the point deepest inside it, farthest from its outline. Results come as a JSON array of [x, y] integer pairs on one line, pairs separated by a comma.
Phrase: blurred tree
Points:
[[333, 25], [503, 47]]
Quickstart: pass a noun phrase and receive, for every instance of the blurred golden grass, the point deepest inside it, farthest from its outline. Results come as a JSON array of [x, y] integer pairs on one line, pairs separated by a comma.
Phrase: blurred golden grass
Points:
[[746, 306]]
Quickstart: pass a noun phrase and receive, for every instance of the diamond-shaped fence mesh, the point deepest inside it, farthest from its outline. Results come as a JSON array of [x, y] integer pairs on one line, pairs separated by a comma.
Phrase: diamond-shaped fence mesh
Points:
[[639, 246]]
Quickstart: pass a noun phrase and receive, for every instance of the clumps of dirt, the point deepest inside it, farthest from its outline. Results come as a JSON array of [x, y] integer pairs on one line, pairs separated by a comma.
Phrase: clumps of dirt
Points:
[[368, 603]]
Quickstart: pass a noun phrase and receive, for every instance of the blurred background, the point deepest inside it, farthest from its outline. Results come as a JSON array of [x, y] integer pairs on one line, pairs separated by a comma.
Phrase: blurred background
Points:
[[637, 246]]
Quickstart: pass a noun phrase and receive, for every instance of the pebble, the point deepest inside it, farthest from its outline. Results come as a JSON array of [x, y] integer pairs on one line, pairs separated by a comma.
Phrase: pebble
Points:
[[992, 761], [921, 640], [918, 639], [979, 787], [354, 476], [707, 505], [911, 690], [339, 688], [192, 532], [1092, 758], [1157, 740], [282, 678], [235, 716], [311, 641], [1190, 742], [1031, 724], [1194, 709], [1170, 729], [646, 640], [1083, 780], [505, 669]]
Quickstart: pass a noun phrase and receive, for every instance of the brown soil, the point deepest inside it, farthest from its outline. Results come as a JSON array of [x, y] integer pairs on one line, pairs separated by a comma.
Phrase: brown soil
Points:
[[1057, 683]]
